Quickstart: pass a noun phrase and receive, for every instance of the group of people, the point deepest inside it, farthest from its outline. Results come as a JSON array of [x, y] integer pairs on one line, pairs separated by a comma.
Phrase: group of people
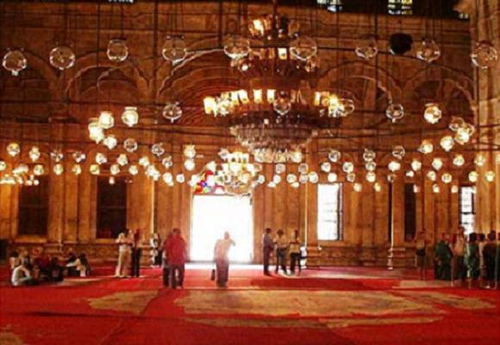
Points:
[[27, 271], [175, 257], [282, 247], [474, 259], [130, 245]]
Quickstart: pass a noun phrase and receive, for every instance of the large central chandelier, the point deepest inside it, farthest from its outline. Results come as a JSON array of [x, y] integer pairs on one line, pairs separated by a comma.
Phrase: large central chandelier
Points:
[[236, 175], [277, 109]]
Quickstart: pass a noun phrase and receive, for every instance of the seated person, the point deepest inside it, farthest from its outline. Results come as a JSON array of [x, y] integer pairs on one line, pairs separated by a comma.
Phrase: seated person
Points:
[[41, 264], [21, 276], [80, 265], [14, 260], [71, 265], [55, 271]]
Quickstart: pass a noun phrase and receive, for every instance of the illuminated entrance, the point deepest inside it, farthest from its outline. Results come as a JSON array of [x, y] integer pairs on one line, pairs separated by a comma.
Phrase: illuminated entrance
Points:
[[212, 216]]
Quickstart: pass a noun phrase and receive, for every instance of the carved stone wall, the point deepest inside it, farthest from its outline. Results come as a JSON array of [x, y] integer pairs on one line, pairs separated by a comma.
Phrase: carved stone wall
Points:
[[69, 99], [485, 25]]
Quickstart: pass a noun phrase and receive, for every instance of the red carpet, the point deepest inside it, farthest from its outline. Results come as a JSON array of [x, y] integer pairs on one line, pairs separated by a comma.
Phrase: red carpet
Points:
[[329, 306]]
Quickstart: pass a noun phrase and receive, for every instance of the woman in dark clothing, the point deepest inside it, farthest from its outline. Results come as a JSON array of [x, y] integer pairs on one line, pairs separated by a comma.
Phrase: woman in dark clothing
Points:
[[72, 271], [489, 257], [55, 270], [136, 252], [442, 259], [85, 263]]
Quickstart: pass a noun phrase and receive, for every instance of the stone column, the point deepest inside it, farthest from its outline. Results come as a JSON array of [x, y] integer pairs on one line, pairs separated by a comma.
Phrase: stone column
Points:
[[485, 25], [56, 195], [397, 251], [311, 205]]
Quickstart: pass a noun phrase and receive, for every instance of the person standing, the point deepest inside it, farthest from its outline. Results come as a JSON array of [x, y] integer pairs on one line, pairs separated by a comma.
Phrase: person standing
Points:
[[267, 249], [481, 242], [295, 252], [281, 249], [459, 271], [176, 256], [442, 258], [221, 258], [123, 254], [489, 256], [164, 264], [471, 260], [420, 253], [136, 244]]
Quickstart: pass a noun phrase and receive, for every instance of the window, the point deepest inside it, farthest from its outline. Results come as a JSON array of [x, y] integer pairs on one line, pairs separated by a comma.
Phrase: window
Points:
[[331, 5], [467, 209], [111, 207], [34, 208], [410, 212], [400, 7], [330, 212]]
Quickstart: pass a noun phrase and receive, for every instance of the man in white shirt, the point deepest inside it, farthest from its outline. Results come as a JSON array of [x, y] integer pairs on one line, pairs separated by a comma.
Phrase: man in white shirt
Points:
[[124, 243], [281, 251], [21, 276], [221, 258]]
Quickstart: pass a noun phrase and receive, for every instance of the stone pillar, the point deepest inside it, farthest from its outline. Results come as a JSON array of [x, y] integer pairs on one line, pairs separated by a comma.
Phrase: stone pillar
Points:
[[368, 251], [140, 203], [311, 205], [56, 195], [72, 191], [485, 25], [396, 257]]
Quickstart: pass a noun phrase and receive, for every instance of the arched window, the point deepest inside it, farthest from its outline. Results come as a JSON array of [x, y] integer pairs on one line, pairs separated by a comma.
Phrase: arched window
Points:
[[331, 5], [400, 7], [34, 208], [330, 212], [111, 207]]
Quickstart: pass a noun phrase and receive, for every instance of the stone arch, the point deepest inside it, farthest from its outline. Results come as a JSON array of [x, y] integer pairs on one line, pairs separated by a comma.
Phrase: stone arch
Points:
[[49, 73], [130, 68], [359, 69], [457, 79]]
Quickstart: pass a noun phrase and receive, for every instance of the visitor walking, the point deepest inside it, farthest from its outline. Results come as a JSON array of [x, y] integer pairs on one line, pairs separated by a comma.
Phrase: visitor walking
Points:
[[176, 256], [165, 266], [295, 253], [155, 250], [420, 253], [281, 249], [489, 256], [459, 271], [471, 260], [221, 258], [267, 249], [123, 254], [442, 258], [136, 244]]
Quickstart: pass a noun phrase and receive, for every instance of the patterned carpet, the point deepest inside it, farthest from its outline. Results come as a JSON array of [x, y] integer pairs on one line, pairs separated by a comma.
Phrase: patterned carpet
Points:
[[328, 306]]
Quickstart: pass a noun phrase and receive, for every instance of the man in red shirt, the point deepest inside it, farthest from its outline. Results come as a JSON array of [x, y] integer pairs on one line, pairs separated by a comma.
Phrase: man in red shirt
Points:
[[176, 257]]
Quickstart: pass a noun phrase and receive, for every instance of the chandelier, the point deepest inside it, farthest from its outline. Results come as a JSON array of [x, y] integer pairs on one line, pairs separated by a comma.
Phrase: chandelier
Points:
[[277, 110], [236, 175]]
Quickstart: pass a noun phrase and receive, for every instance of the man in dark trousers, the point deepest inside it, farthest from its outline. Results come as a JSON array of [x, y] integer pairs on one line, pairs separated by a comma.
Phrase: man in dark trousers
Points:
[[267, 249], [136, 252], [177, 255]]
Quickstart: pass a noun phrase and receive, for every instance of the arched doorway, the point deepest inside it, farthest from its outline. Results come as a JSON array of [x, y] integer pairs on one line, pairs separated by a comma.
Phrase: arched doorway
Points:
[[214, 214]]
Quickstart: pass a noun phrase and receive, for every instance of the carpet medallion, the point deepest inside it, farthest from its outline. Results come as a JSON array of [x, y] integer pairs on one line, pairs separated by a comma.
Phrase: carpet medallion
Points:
[[343, 306]]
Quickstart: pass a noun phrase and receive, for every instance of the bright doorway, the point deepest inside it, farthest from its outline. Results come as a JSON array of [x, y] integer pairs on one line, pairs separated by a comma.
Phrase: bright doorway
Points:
[[215, 214]]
